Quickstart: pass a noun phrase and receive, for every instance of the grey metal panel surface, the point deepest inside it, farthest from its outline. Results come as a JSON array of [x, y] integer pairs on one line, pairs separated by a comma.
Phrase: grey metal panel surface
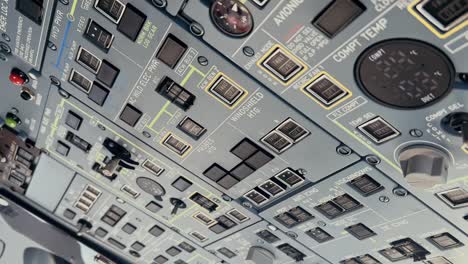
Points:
[[51, 178], [334, 153]]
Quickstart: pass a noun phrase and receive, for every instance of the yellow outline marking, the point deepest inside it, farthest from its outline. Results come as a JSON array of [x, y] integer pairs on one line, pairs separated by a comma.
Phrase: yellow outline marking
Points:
[[187, 77], [178, 138], [73, 8], [159, 114], [219, 75], [335, 81], [412, 9], [200, 256], [380, 155], [197, 70], [180, 214], [273, 49], [198, 220]]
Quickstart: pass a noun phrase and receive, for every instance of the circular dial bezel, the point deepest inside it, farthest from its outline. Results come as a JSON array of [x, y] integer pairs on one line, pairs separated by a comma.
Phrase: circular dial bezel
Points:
[[223, 28], [427, 48]]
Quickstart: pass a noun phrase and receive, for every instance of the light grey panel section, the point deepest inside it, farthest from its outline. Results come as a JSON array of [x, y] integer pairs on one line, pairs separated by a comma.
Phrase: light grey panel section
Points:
[[23, 232], [391, 217], [50, 180], [248, 246], [174, 6]]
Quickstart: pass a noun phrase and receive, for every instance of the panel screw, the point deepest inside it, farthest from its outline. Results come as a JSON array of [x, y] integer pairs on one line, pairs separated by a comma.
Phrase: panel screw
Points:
[[55, 81], [463, 76], [226, 198], [64, 2], [5, 47], [146, 134], [321, 223], [384, 199], [344, 150], [197, 29], [415, 132], [400, 191], [102, 127], [159, 3], [51, 45], [272, 227], [291, 234], [247, 204], [302, 171], [6, 37], [372, 160], [202, 60], [248, 51], [63, 93]]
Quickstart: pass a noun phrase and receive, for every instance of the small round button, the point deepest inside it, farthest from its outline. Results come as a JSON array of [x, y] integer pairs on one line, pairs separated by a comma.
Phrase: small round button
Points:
[[18, 77]]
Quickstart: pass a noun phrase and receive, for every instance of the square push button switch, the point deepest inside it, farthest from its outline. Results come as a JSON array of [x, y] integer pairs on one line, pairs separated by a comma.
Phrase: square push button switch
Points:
[[153, 207], [129, 228], [69, 214], [215, 172], [107, 73], [156, 231], [73, 120], [101, 232], [244, 149], [62, 149], [227, 182], [173, 251], [98, 94], [130, 115], [131, 22], [337, 16], [171, 51], [241, 171], [259, 159], [181, 184]]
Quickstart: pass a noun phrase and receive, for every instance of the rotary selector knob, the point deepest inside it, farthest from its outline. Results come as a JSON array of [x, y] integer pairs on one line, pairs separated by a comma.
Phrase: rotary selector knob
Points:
[[424, 166], [260, 255]]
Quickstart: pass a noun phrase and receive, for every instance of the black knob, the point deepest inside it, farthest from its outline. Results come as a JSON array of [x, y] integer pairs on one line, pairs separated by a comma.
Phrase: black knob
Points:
[[178, 204]]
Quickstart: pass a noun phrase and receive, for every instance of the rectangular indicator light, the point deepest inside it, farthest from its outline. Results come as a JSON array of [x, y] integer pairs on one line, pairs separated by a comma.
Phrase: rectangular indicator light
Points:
[[88, 60], [99, 36], [80, 81], [455, 198], [379, 130], [112, 9], [226, 90], [176, 145], [282, 65], [326, 91], [277, 141], [444, 14]]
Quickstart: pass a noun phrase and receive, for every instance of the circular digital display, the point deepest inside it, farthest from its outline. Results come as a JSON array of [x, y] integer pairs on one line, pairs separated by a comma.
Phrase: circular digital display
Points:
[[150, 186], [404, 73], [231, 17]]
